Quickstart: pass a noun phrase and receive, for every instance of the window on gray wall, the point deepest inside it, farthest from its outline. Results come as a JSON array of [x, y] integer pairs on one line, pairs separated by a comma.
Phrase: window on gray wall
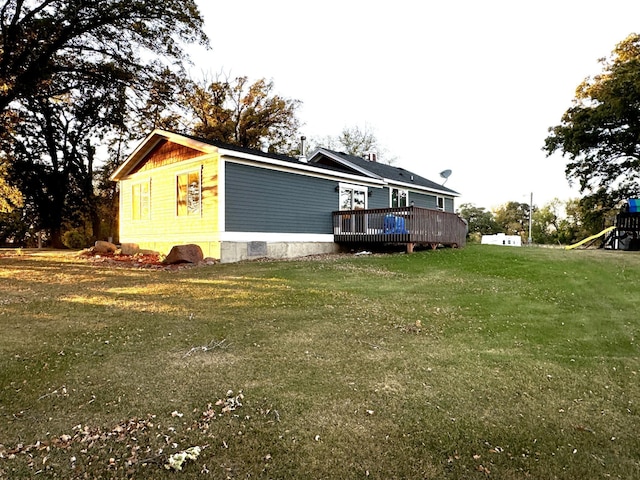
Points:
[[399, 197], [353, 198]]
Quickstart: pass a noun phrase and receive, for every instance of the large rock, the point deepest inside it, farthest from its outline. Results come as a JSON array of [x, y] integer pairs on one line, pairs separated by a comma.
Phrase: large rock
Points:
[[129, 248], [102, 247], [184, 254]]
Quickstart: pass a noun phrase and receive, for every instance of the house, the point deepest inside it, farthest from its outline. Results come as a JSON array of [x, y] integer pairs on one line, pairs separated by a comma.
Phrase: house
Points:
[[238, 203]]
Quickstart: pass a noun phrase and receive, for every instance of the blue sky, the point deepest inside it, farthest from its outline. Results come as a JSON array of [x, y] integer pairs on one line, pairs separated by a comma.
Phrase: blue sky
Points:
[[466, 85]]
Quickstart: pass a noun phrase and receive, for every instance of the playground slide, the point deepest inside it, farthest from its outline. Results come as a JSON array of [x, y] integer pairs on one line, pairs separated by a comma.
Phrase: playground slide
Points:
[[588, 239]]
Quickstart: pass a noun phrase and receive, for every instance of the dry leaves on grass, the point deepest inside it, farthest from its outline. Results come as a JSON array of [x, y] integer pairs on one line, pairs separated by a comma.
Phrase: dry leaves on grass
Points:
[[212, 345], [132, 443]]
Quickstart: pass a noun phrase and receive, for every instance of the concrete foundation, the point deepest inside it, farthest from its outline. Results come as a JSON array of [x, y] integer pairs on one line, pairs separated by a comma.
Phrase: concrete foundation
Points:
[[229, 252], [237, 251]]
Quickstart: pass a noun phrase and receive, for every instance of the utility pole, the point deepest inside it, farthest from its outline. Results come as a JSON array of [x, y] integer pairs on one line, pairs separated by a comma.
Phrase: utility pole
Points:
[[530, 240]]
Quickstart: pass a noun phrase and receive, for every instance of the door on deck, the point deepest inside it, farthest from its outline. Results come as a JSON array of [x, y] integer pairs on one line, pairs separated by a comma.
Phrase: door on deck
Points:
[[353, 197]]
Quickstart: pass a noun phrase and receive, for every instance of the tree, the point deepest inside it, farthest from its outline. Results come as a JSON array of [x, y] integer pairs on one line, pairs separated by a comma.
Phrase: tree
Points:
[[513, 219], [69, 42], [573, 228], [11, 203], [355, 141], [10, 196], [163, 106], [545, 223], [480, 221], [600, 133], [239, 113], [52, 156], [71, 71]]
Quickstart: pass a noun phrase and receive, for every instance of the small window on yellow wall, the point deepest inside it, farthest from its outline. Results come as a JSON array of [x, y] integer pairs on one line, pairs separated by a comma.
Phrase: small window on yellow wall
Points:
[[140, 201], [188, 194]]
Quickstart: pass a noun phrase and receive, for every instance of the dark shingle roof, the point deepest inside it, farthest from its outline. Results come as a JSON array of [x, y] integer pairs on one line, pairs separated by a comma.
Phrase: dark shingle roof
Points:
[[275, 156], [382, 170], [389, 172], [236, 148]]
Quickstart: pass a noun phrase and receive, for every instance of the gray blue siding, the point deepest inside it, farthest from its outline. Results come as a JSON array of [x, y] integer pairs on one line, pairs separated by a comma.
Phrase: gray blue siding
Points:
[[423, 200], [379, 198], [263, 200], [448, 205], [430, 201]]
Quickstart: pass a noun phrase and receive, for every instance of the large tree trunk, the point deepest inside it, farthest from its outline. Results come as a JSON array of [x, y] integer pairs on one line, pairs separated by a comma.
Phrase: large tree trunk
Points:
[[55, 193], [56, 237]]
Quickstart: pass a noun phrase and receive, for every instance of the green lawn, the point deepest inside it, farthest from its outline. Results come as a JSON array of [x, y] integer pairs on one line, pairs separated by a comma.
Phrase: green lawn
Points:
[[483, 362]]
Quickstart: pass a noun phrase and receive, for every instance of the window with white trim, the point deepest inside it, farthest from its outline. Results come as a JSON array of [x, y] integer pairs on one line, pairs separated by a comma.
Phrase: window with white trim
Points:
[[441, 203], [188, 194], [399, 197], [140, 200], [353, 197]]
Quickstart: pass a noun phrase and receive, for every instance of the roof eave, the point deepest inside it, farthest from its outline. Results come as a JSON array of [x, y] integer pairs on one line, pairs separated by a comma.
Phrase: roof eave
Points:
[[229, 154], [343, 162], [446, 191], [149, 143]]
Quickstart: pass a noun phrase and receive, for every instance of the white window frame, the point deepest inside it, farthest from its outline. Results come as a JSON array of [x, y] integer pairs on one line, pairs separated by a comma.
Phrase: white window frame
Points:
[[359, 188], [188, 212], [406, 196], [142, 214], [440, 203]]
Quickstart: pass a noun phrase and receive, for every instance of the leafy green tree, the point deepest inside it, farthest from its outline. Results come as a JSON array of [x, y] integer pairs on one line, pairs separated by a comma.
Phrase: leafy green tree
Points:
[[513, 219], [546, 222], [71, 73], [162, 106], [571, 228], [67, 43], [597, 211], [480, 221], [11, 203], [52, 156], [241, 113], [586, 216], [600, 133], [10, 196]]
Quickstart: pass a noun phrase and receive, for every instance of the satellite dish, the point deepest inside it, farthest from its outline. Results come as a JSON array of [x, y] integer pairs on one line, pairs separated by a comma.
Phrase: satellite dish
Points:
[[445, 174]]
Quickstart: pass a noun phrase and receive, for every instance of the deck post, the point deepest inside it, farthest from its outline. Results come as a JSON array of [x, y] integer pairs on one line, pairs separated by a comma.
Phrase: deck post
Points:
[[410, 247]]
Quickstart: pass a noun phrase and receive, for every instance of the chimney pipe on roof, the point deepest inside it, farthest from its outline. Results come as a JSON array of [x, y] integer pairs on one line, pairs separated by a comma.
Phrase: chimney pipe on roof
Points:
[[302, 156], [372, 156]]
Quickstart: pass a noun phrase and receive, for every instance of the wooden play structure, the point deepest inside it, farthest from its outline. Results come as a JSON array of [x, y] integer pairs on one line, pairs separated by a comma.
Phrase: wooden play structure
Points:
[[623, 235]]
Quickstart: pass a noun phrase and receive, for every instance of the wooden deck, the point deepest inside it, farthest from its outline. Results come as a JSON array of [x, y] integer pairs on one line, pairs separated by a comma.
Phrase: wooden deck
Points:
[[404, 225]]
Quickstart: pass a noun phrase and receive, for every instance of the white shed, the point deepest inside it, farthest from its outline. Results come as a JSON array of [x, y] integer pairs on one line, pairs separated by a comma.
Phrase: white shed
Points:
[[502, 239]]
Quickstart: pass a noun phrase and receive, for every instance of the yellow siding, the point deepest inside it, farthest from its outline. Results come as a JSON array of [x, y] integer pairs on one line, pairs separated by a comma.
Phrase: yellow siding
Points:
[[164, 228]]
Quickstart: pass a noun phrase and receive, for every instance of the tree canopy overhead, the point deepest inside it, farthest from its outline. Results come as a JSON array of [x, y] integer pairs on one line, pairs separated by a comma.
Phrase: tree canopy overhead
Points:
[[241, 113], [600, 132], [68, 42], [73, 74]]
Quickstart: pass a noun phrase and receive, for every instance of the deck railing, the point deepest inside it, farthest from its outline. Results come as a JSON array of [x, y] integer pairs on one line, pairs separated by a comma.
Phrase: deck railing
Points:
[[408, 225], [628, 222]]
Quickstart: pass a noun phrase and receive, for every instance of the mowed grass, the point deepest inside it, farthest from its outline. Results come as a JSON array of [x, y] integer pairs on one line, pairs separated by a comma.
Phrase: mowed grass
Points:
[[483, 362]]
